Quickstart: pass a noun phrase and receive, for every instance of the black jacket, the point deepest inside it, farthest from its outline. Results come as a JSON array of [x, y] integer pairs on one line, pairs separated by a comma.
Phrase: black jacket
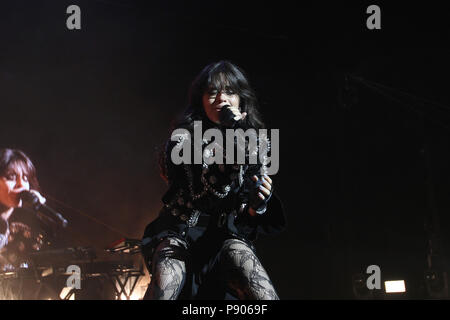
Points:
[[213, 190]]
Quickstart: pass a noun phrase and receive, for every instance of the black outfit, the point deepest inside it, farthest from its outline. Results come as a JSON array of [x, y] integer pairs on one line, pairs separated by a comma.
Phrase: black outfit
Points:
[[29, 233], [204, 223]]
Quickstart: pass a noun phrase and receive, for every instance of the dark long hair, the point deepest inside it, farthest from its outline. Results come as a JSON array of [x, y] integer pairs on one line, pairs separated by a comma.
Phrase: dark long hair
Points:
[[217, 75], [13, 158]]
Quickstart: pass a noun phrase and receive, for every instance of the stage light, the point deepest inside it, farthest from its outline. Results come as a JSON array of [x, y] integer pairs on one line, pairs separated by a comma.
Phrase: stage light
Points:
[[138, 293], [396, 286]]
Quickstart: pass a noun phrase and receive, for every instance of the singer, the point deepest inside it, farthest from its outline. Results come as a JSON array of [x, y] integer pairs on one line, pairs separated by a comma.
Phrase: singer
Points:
[[201, 246], [19, 232]]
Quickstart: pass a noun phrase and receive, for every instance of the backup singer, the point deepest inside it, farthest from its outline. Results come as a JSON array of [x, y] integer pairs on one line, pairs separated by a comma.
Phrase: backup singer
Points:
[[201, 246], [20, 231]]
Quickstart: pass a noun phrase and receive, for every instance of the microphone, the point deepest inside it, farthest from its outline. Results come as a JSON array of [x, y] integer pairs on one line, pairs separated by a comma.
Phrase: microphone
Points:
[[33, 200], [226, 117]]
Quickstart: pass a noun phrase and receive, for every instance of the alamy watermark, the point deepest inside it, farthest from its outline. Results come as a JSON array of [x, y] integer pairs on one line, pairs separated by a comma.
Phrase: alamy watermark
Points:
[[258, 146], [374, 280], [74, 280], [73, 21], [373, 22]]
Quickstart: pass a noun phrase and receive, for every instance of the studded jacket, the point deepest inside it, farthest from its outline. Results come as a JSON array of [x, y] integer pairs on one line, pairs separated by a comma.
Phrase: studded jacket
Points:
[[217, 189]]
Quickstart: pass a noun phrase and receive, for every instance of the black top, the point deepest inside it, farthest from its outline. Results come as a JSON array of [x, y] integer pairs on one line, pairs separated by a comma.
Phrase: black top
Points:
[[28, 233]]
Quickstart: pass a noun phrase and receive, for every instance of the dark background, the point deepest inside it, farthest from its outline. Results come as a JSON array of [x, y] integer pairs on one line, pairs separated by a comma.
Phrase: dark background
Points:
[[360, 172]]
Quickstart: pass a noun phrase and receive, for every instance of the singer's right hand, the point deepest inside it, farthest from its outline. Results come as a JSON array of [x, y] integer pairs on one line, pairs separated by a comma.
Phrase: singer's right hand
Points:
[[237, 113], [42, 200]]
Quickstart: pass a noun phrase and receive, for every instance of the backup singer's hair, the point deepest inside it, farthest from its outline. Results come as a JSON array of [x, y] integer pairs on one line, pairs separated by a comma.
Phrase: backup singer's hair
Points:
[[12, 159]]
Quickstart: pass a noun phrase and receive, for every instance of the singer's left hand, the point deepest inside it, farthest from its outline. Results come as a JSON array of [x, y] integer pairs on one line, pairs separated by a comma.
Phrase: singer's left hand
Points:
[[42, 200], [263, 192]]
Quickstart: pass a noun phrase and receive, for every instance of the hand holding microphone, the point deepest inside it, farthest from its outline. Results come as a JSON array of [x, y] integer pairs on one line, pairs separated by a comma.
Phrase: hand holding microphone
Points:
[[37, 203], [230, 116]]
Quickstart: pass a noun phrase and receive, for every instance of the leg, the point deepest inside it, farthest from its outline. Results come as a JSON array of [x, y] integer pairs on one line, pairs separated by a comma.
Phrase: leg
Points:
[[168, 270], [243, 271]]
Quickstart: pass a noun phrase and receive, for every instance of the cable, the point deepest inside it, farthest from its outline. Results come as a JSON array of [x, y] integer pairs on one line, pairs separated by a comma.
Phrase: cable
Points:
[[88, 216]]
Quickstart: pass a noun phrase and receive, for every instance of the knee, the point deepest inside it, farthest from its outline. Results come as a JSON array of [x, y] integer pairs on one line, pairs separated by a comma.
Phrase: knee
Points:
[[236, 253], [233, 247], [244, 274]]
